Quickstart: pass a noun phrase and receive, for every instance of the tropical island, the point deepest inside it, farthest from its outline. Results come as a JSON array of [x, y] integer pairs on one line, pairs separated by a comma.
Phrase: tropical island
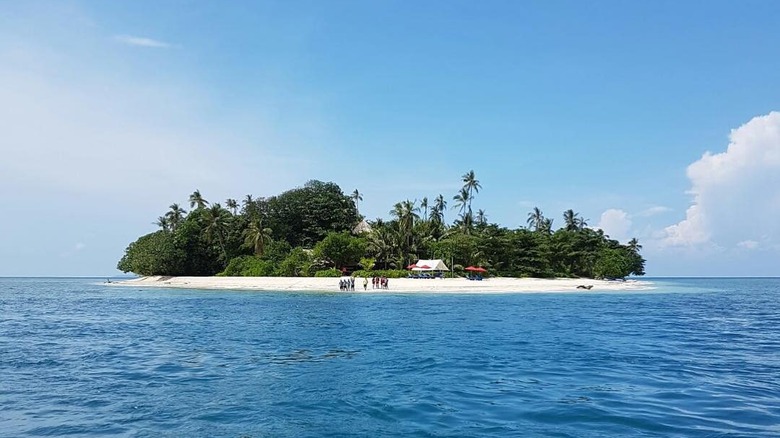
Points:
[[317, 231]]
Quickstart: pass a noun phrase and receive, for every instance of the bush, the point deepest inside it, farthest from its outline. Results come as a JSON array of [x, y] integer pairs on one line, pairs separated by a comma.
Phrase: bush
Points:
[[296, 264], [248, 266], [333, 272], [388, 273]]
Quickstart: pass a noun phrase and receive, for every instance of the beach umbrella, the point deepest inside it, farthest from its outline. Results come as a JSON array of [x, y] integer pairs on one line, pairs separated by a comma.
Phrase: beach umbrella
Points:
[[470, 268], [480, 269], [412, 266]]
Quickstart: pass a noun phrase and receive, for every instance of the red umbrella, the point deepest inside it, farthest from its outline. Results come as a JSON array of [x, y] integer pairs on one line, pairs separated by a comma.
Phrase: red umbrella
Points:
[[425, 267], [481, 269], [411, 266], [475, 269], [470, 268]]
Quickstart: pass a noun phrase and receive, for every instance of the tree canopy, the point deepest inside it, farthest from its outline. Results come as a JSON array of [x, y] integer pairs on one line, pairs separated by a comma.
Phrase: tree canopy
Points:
[[308, 229]]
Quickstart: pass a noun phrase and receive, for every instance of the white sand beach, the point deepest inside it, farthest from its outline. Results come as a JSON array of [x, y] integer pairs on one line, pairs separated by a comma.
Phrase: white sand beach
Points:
[[403, 285]]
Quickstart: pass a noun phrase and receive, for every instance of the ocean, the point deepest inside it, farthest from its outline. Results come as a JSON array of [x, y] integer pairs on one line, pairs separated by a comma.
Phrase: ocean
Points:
[[694, 357]]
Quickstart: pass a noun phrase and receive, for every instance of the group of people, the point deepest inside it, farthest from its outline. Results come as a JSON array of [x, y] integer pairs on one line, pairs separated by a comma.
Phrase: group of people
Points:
[[348, 284], [379, 283]]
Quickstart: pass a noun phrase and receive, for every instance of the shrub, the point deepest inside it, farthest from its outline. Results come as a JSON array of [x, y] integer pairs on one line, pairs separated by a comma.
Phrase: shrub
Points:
[[333, 272], [296, 264], [248, 266], [388, 273]]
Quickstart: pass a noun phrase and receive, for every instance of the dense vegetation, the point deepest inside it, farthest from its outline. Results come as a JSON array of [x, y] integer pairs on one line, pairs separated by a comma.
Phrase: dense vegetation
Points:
[[311, 230]]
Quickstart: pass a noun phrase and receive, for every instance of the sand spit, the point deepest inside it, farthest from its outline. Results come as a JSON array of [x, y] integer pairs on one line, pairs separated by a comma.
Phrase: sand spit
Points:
[[447, 285]]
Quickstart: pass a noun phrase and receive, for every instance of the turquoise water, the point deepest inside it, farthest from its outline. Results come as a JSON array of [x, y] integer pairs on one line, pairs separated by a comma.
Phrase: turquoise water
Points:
[[696, 357]]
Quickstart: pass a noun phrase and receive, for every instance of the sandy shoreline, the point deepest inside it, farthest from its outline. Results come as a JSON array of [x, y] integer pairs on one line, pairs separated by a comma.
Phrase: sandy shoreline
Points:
[[448, 285]]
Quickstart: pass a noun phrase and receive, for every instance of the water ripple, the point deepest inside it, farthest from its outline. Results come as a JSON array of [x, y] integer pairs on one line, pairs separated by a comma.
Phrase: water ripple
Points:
[[693, 358]]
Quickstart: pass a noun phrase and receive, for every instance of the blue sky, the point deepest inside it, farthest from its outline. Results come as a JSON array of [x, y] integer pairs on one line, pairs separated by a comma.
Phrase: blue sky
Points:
[[111, 111]]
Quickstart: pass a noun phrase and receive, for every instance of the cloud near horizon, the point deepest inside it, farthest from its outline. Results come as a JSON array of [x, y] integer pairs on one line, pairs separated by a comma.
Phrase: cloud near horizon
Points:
[[131, 40], [615, 223], [736, 193]]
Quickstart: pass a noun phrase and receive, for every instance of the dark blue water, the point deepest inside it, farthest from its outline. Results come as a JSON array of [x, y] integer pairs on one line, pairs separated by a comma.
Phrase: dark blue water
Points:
[[697, 357]]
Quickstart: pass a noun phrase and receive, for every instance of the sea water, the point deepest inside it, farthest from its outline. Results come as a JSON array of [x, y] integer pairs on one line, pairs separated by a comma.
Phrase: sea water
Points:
[[694, 357]]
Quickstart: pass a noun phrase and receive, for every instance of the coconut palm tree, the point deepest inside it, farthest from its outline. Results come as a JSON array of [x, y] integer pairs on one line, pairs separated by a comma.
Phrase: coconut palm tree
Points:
[[175, 216], [546, 227], [163, 223], [406, 214], [462, 200], [481, 217], [440, 205], [257, 237], [357, 197], [249, 206], [248, 200], [634, 245], [571, 220], [232, 205], [381, 242], [535, 219], [467, 221], [424, 208], [197, 199], [217, 221], [471, 184]]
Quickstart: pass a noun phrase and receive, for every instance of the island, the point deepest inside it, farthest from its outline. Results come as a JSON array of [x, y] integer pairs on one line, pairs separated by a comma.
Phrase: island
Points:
[[316, 232]]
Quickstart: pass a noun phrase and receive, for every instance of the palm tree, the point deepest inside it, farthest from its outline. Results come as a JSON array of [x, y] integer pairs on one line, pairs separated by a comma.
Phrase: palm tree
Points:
[[462, 200], [197, 199], [424, 207], [175, 216], [381, 242], [249, 206], [357, 197], [257, 237], [163, 223], [571, 220], [216, 225], [535, 219], [467, 221], [406, 213], [481, 217], [471, 184], [232, 205], [440, 204], [248, 200], [546, 227], [634, 245]]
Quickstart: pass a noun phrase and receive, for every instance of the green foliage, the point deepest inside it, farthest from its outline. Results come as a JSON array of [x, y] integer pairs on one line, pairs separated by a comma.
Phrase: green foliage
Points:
[[367, 263], [388, 273], [340, 249], [612, 263], [298, 263], [152, 254], [333, 272], [305, 215], [259, 239], [248, 266]]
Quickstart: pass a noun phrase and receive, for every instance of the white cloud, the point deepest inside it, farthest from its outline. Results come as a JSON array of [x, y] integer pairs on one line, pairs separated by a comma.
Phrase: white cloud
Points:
[[79, 246], [653, 211], [748, 244], [615, 223], [141, 42], [736, 193]]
